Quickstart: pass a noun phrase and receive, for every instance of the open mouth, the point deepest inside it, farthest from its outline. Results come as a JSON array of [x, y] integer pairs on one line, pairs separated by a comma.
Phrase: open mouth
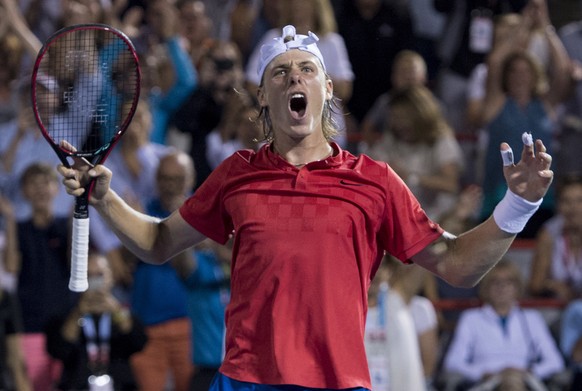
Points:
[[297, 105]]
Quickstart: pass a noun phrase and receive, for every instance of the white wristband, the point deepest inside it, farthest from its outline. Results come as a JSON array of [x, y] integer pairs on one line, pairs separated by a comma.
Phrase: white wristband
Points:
[[513, 212]]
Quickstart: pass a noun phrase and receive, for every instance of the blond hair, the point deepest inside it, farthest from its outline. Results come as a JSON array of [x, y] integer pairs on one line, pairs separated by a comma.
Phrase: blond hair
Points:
[[428, 121]]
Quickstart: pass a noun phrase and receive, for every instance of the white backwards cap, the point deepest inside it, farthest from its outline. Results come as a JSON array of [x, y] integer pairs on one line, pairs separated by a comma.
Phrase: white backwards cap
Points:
[[287, 41]]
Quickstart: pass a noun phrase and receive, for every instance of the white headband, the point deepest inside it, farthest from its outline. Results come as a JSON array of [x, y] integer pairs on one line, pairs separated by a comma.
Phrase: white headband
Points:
[[294, 41]]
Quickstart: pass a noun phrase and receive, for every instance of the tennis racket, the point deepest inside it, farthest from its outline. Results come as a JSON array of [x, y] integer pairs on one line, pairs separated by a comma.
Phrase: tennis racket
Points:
[[85, 89]]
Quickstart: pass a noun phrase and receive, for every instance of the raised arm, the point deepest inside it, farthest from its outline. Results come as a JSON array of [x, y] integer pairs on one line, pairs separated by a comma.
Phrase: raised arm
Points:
[[464, 260], [151, 239]]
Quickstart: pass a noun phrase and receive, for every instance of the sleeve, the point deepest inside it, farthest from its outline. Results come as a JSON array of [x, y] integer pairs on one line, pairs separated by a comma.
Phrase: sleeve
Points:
[[458, 358], [550, 359], [423, 314], [477, 81], [571, 327], [185, 73], [406, 229]]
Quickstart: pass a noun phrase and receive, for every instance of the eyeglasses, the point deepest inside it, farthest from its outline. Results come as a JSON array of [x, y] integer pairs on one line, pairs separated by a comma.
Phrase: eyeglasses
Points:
[[223, 64]]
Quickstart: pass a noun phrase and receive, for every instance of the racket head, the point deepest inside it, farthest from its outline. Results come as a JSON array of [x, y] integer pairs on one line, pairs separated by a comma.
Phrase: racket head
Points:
[[85, 90]]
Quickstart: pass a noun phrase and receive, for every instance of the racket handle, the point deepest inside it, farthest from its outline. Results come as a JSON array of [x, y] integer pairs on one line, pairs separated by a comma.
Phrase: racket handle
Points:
[[79, 255]]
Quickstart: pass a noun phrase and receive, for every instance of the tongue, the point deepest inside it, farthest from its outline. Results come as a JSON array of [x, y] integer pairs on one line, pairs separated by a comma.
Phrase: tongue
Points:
[[297, 108], [297, 114]]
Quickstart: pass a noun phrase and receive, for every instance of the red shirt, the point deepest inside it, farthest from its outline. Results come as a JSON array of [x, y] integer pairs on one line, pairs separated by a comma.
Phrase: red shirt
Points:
[[307, 243]]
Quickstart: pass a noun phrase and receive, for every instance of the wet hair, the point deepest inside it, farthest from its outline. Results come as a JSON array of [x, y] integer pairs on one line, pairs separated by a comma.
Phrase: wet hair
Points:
[[429, 123]]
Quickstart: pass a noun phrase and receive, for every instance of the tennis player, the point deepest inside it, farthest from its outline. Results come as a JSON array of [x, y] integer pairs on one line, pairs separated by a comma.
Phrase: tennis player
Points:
[[311, 223]]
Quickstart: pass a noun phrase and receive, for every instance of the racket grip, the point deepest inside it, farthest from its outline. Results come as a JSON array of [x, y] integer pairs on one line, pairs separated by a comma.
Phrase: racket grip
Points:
[[79, 255]]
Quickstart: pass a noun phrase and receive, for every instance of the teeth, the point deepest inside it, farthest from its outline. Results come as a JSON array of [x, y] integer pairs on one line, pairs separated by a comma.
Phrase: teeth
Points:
[[297, 95]]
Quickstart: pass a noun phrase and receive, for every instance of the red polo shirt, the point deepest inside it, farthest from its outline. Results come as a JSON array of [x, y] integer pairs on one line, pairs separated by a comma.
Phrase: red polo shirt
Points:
[[307, 243]]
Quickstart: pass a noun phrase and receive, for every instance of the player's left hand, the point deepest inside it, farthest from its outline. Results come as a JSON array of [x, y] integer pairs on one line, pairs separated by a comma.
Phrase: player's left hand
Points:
[[531, 177]]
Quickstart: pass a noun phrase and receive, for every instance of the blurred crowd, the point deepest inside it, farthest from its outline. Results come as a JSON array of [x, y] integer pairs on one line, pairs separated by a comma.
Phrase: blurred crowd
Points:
[[431, 87]]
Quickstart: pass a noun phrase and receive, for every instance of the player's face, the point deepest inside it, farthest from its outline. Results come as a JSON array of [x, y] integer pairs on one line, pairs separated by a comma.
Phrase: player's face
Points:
[[295, 89]]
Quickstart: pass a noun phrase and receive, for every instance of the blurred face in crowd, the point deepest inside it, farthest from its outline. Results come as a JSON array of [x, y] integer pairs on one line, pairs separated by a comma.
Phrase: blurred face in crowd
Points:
[[40, 191], [408, 71], [138, 131], [402, 122], [501, 288], [99, 273], [520, 76], [175, 176], [570, 205], [194, 23], [221, 71], [301, 14]]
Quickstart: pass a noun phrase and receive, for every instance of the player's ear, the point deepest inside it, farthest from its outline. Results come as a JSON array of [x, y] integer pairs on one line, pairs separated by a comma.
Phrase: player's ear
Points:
[[328, 89], [261, 98]]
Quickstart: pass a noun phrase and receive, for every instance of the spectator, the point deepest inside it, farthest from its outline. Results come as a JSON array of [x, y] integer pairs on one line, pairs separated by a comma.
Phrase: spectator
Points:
[[195, 27], [158, 297], [421, 147], [237, 129], [267, 18], [13, 374], [43, 272], [511, 30], [374, 32], [571, 341], [409, 69], [220, 72], [428, 25], [517, 98], [170, 76], [206, 274], [570, 131], [500, 343], [392, 346], [205, 282], [136, 159], [95, 340], [21, 145], [556, 269], [11, 52], [466, 40]]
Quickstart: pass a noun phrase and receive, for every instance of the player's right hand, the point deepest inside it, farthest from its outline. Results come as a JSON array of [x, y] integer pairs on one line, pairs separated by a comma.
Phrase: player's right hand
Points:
[[77, 177]]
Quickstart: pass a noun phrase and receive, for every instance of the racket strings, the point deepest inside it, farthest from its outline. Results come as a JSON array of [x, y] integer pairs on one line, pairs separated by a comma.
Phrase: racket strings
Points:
[[93, 82]]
